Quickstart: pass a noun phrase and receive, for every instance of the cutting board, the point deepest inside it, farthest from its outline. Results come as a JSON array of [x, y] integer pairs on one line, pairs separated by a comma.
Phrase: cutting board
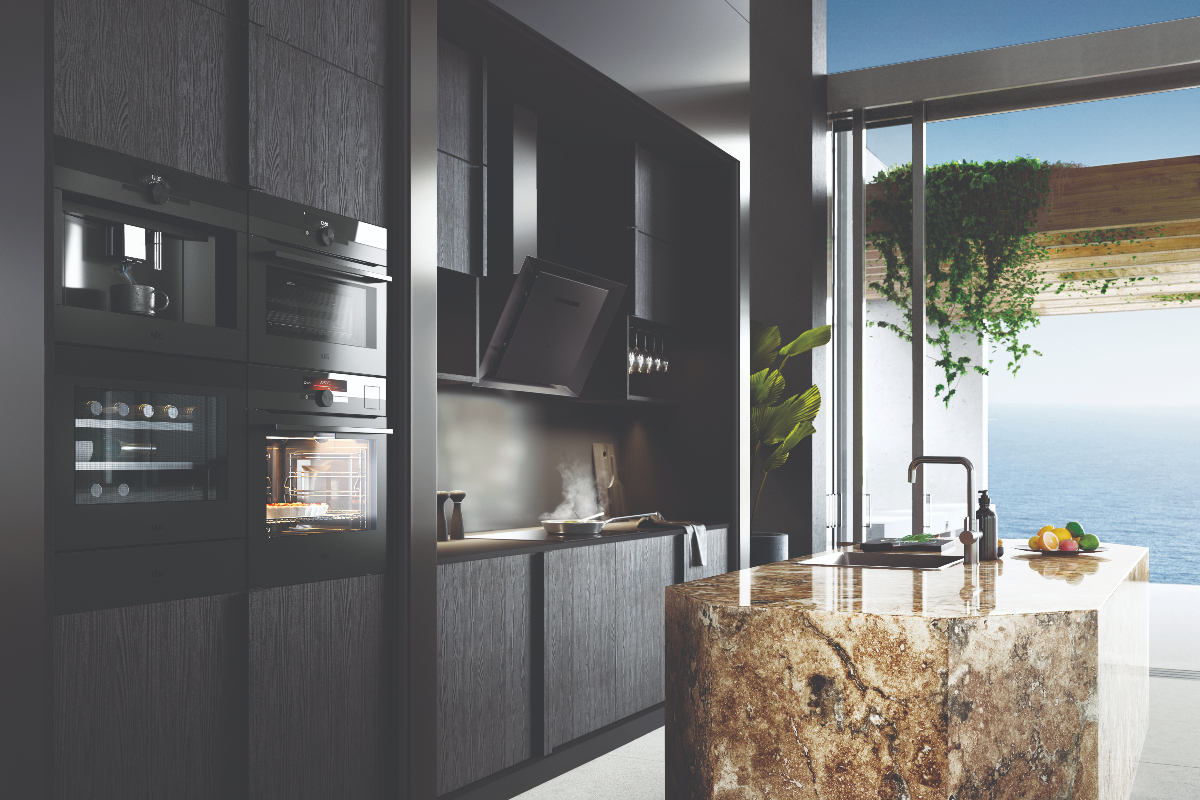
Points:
[[608, 486]]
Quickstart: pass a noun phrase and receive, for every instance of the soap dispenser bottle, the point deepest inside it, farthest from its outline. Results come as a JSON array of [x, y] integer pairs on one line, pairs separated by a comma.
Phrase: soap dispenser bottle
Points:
[[989, 542]]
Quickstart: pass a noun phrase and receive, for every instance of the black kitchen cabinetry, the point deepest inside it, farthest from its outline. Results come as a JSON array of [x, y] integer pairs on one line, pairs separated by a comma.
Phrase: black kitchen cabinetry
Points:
[[485, 689], [316, 131], [147, 701], [156, 79], [316, 666], [538, 649]]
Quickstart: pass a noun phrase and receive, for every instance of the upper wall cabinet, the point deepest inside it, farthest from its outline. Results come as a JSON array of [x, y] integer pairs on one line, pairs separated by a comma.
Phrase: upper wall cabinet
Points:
[[350, 34], [156, 79], [316, 131], [462, 160]]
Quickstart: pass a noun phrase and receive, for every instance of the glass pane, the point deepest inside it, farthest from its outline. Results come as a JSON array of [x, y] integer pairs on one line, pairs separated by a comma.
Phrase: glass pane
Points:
[[305, 306], [887, 354], [317, 485], [149, 447], [1099, 424], [964, 27]]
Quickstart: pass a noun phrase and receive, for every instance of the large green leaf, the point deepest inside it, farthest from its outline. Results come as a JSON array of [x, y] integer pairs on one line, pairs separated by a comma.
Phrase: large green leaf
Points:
[[764, 345], [780, 455], [807, 341], [775, 423], [777, 460], [766, 387]]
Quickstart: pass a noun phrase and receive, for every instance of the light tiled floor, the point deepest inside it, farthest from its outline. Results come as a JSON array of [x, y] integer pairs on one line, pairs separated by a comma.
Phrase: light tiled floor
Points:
[[1169, 768]]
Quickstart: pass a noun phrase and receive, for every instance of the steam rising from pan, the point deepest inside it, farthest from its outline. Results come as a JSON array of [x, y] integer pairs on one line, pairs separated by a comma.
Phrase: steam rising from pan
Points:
[[579, 492]]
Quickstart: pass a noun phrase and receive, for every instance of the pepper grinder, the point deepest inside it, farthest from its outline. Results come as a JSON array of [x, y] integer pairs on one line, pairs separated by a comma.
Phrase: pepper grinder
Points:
[[456, 523], [442, 497]]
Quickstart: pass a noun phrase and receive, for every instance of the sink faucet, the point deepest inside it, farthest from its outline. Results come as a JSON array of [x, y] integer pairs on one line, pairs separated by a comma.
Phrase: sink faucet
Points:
[[969, 522]]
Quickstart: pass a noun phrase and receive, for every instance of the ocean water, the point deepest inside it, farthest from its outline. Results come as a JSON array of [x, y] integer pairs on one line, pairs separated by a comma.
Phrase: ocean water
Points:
[[1130, 475]]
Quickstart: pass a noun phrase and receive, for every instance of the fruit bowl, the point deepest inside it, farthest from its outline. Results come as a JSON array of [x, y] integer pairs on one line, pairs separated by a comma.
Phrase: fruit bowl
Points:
[[1069, 553]]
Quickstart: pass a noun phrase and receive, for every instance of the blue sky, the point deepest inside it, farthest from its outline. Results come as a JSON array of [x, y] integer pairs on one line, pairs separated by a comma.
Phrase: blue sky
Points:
[[1143, 358]]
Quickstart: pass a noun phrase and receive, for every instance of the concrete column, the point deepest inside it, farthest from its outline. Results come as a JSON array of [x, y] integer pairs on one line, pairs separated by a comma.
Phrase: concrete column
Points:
[[789, 248]]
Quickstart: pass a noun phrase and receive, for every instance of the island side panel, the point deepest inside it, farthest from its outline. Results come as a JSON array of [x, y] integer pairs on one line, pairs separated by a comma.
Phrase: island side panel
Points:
[[1124, 681], [769, 702], [1024, 706]]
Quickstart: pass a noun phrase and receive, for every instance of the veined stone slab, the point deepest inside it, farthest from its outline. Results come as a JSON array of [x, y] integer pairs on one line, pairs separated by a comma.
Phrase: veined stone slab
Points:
[[1021, 678]]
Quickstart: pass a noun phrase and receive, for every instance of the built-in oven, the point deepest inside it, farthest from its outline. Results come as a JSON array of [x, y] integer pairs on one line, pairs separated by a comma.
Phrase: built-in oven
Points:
[[147, 449], [318, 456], [317, 290], [147, 258]]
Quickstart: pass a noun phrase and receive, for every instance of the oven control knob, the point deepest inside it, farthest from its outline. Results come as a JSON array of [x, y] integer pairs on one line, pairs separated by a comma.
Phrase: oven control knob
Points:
[[160, 190], [324, 233], [324, 398]]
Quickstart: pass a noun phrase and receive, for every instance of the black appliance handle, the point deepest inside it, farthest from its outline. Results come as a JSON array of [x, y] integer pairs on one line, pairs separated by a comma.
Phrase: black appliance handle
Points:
[[326, 429], [326, 267]]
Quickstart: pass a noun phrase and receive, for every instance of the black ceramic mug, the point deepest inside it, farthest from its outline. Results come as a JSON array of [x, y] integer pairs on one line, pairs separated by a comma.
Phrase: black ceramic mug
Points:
[[135, 299]]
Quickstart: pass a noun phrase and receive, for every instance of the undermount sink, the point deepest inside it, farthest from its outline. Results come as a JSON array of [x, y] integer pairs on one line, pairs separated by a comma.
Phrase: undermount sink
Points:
[[883, 560]]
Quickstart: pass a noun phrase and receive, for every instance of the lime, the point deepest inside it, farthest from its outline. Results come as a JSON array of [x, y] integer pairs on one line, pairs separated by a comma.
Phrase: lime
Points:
[[1075, 528], [1089, 542]]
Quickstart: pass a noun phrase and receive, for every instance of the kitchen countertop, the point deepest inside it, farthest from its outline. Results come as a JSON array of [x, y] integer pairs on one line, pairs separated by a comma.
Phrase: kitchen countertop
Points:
[[473, 548], [1018, 583], [1027, 677]]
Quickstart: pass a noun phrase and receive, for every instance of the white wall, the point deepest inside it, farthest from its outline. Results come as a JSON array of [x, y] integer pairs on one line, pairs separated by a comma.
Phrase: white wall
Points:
[[960, 430]]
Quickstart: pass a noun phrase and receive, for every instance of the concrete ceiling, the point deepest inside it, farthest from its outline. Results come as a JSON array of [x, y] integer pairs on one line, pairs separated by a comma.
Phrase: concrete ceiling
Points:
[[649, 45]]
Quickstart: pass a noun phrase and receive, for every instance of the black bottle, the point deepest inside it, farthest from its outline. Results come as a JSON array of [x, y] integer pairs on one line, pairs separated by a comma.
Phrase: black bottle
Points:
[[989, 542]]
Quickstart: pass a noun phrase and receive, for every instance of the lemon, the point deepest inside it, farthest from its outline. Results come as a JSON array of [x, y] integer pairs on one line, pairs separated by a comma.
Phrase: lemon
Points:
[[1089, 542], [1062, 533], [1045, 528], [1049, 541], [1035, 542], [1076, 529]]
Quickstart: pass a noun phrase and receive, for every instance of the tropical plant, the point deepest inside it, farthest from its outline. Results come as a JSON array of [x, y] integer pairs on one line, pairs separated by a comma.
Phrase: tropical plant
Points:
[[981, 254], [778, 424]]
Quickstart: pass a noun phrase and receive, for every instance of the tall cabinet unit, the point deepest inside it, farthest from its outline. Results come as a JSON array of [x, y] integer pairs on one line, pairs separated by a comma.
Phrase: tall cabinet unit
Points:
[[169, 677], [317, 110]]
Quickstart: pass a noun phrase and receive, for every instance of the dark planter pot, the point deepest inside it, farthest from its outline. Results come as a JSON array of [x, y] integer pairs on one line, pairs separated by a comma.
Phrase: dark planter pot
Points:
[[767, 548]]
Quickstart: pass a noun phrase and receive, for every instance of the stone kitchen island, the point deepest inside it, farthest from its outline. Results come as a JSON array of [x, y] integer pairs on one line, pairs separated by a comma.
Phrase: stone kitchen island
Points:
[[1025, 677]]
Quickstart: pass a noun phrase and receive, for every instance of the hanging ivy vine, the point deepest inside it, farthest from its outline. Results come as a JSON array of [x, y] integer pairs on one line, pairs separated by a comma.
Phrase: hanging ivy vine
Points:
[[981, 255]]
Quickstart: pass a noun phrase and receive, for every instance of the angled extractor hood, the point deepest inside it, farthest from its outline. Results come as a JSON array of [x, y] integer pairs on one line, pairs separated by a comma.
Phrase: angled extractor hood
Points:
[[550, 331]]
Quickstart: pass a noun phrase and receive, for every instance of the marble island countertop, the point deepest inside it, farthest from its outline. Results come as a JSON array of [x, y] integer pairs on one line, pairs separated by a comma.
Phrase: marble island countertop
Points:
[[1023, 678], [1019, 583]]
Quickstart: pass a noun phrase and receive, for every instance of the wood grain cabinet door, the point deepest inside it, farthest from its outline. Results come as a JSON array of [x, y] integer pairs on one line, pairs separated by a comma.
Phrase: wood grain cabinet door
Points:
[[314, 690], [484, 719], [149, 701], [604, 633], [316, 131], [161, 80]]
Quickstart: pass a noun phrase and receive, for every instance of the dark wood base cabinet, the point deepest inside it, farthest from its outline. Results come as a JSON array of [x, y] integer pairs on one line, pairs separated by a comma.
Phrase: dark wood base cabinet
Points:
[[539, 649], [149, 701], [484, 668], [315, 671]]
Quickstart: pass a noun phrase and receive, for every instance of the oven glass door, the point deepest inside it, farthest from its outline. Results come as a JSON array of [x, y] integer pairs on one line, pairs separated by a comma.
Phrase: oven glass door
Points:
[[303, 306], [149, 447], [313, 316], [319, 484]]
